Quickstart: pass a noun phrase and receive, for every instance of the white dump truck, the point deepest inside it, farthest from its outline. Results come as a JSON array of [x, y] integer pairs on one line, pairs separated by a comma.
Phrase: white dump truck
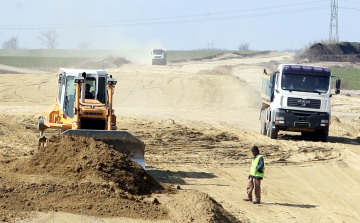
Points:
[[159, 56], [297, 98]]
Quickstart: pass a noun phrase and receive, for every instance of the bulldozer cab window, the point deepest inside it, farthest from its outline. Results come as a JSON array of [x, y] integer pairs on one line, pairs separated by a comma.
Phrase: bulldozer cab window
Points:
[[90, 88], [101, 96], [69, 96], [60, 88]]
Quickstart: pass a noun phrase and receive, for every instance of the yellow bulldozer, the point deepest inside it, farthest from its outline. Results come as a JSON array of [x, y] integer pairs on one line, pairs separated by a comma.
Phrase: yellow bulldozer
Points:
[[84, 107]]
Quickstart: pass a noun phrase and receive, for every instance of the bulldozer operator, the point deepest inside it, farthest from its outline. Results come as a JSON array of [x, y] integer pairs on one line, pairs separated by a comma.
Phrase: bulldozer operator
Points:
[[88, 94]]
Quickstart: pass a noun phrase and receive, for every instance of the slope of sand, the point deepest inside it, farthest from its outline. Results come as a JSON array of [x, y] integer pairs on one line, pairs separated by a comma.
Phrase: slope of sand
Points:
[[199, 120]]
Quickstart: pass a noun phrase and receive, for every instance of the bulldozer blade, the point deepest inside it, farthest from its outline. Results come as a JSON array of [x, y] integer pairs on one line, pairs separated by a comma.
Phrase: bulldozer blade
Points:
[[122, 141]]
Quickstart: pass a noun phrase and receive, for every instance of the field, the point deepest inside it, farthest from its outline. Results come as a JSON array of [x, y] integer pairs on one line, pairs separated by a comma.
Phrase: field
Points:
[[44, 62], [350, 77]]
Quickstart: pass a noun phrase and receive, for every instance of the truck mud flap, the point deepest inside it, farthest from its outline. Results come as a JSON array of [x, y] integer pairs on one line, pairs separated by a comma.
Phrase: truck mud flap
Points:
[[122, 141]]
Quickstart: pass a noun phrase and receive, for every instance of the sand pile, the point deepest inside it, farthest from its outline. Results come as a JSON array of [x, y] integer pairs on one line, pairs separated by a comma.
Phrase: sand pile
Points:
[[79, 175], [198, 207]]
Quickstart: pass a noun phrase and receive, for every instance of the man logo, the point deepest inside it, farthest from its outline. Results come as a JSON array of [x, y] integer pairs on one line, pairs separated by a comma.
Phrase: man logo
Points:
[[303, 102]]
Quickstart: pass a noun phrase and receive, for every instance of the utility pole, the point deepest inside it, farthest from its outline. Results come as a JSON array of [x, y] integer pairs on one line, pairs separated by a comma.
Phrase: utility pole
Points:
[[334, 29], [210, 44]]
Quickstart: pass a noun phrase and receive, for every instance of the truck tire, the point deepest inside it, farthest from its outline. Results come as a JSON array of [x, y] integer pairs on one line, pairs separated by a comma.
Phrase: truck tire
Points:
[[263, 123], [273, 131], [323, 135]]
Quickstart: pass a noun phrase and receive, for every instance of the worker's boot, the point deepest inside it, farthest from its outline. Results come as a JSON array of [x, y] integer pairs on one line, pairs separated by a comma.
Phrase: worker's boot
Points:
[[247, 199], [257, 201]]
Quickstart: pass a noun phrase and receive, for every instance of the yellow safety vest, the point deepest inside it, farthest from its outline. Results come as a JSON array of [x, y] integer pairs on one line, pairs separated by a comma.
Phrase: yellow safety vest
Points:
[[254, 164]]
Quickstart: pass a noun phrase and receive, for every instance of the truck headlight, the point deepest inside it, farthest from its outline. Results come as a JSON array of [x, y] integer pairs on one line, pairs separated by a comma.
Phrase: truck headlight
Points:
[[279, 119]]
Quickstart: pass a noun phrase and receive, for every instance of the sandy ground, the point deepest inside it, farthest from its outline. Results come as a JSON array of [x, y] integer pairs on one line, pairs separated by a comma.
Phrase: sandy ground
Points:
[[199, 120]]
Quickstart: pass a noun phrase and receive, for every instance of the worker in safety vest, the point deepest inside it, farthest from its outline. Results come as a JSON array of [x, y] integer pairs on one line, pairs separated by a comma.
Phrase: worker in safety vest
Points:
[[256, 175]]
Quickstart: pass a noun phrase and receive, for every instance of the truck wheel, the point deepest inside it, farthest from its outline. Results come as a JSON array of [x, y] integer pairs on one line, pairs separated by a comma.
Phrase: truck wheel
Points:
[[323, 135], [263, 123], [273, 131]]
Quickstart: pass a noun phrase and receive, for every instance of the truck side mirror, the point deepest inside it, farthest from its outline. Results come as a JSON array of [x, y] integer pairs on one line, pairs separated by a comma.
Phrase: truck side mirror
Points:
[[60, 78], [337, 86]]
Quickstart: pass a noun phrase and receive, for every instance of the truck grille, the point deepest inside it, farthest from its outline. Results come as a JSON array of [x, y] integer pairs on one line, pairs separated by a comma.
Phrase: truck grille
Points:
[[303, 103]]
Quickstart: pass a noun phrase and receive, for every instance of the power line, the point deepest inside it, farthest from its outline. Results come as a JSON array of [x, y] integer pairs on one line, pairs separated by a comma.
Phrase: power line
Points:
[[349, 8], [145, 23], [357, 2], [173, 17]]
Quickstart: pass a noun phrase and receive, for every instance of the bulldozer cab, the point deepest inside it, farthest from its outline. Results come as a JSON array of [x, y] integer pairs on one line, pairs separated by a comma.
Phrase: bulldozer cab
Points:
[[93, 88]]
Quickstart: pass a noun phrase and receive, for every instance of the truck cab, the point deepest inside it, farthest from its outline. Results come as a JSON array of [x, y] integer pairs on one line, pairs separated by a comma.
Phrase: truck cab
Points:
[[159, 56], [297, 98]]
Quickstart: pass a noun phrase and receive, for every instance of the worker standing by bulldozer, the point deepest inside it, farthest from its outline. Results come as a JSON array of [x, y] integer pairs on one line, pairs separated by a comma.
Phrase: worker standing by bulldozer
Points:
[[83, 107]]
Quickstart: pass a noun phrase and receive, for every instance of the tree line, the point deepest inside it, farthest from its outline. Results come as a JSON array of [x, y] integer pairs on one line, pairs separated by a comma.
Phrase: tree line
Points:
[[48, 38]]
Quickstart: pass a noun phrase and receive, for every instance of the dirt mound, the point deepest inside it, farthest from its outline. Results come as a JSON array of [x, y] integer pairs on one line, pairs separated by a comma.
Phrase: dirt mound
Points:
[[117, 61], [194, 206], [270, 66], [109, 62], [8, 72], [6, 69], [78, 174], [339, 52], [219, 70], [87, 160], [333, 48]]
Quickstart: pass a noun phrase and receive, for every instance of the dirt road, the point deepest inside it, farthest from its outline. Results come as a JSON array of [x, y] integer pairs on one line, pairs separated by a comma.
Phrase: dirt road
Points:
[[199, 120]]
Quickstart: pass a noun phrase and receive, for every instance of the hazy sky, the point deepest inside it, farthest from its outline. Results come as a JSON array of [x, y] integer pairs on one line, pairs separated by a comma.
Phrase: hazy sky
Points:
[[177, 24]]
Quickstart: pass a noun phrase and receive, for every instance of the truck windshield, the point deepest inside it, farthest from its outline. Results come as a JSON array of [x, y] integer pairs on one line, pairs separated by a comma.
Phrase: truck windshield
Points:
[[157, 52], [303, 82]]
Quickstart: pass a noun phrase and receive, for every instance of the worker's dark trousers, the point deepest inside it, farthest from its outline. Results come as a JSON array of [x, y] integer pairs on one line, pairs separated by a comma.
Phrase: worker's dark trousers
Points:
[[254, 183]]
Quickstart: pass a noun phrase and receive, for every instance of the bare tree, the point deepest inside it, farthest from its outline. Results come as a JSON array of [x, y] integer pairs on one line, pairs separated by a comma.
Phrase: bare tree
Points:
[[49, 38], [244, 46], [12, 43]]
